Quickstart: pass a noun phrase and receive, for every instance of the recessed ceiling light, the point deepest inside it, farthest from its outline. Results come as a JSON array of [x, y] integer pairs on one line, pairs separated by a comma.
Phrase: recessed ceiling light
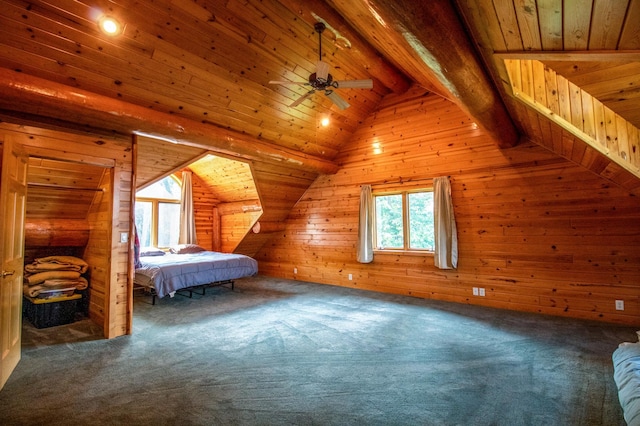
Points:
[[110, 25], [325, 121]]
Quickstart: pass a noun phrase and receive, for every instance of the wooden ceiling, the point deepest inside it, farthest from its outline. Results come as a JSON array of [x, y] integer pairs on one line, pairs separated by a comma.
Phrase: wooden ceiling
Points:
[[197, 71]]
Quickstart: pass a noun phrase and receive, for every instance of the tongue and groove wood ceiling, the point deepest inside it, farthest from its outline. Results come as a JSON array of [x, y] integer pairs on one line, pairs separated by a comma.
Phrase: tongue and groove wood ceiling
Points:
[[559, 73]]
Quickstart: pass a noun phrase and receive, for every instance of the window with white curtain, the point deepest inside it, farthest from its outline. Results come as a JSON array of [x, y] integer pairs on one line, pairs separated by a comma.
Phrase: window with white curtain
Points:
[[404, 220], [157, 213]]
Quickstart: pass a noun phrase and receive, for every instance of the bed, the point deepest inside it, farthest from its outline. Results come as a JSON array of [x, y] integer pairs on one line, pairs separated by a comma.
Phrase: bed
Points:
[[187, 268]]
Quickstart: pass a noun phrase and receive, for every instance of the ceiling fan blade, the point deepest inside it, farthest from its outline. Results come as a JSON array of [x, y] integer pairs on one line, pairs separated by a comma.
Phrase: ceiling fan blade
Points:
[[354, 84], [301, 99], [336, 99], [322, 70], [287, 83]]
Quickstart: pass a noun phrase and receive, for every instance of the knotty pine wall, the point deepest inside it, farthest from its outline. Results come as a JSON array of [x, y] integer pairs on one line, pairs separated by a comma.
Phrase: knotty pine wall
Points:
[[538, 232], [204, 210]]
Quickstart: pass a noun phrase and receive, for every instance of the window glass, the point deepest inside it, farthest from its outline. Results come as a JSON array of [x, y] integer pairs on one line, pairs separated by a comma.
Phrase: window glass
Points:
[[157, 213], [404, 221], [168, 224], [421, 235], [166, 189], [144, 222], [389, 229]]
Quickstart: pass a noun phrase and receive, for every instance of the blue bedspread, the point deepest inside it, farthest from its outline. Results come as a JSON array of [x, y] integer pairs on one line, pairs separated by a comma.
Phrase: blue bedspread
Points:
[[173, 272]]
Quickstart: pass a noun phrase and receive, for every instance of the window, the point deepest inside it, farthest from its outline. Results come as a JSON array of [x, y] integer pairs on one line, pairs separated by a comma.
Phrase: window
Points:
[[158, 213], [404, 221]]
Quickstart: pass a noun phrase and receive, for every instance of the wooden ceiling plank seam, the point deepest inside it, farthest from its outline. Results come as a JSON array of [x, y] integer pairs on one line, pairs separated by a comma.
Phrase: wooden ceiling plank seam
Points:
[[539, 82], [623, 138], [634, 143], [505, 11], [611, 126], [611, 14], [564, 99], [550, 21], [575, 101], [576, 19], [213, 11], [489, 36], [588, 114], [630, 35], [551, 84], [599, 119], [527, 17]]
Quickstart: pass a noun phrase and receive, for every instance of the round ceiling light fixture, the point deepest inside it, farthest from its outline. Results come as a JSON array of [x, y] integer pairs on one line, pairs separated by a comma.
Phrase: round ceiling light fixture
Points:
[[110, 25]]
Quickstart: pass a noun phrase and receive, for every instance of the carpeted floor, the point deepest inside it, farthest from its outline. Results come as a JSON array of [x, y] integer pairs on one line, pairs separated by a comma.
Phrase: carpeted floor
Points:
[[288, 353]]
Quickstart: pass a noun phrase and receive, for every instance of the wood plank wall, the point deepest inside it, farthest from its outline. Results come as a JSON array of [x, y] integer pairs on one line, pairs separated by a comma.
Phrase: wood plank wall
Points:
[[280, 187], [537, 232], [204, 209]]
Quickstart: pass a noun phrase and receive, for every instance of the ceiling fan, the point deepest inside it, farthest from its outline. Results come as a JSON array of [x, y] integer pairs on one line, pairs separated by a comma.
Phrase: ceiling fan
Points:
[[321, 80]]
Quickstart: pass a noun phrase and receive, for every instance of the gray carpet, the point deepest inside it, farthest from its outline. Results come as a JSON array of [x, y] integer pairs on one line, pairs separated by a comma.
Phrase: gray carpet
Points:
[[282, 352]]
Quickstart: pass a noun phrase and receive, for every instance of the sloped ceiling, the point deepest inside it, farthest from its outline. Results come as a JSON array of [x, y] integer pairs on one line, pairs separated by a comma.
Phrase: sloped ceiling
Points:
[[197, 72]]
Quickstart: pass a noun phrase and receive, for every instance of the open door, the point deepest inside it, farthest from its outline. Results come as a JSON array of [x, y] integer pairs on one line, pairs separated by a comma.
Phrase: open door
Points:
[[13, 192]]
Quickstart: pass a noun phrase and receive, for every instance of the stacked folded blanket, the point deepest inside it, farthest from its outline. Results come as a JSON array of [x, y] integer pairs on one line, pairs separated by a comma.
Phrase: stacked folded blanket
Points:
[[54, 272]]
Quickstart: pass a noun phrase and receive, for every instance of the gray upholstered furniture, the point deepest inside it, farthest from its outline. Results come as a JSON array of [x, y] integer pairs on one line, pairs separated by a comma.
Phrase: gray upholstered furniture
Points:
[[626, 364]]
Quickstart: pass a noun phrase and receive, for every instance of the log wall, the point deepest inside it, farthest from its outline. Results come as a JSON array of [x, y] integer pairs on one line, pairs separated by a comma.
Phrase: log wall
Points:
[[537, 232]]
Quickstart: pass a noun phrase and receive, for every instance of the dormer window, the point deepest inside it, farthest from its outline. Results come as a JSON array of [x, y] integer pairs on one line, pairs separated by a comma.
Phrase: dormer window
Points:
[[158, 213]]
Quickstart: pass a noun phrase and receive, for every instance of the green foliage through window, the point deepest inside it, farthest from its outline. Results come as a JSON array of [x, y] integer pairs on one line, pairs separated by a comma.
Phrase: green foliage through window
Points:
[[157, 213], [404, 221]]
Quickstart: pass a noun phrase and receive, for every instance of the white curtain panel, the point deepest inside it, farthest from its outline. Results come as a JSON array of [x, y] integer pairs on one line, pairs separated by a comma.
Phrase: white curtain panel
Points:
[[365, 226], [446, 234], [187, 216]]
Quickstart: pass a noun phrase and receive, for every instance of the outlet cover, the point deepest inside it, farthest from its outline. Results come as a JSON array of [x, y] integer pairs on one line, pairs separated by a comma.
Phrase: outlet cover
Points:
[[481, 291], [350, 277], [619, 305], [295, 270], [475, 291]]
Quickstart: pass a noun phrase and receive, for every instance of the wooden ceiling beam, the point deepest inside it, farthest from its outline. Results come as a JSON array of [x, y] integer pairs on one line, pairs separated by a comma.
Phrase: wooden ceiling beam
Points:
[[34, 96], [435, 50], [312, 11]]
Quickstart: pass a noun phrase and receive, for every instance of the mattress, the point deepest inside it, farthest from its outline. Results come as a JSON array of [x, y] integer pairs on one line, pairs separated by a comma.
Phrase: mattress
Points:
[[173, 272]]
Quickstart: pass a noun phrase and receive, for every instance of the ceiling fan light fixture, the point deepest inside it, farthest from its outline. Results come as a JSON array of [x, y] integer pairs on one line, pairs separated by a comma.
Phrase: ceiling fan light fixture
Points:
[[321, 80]]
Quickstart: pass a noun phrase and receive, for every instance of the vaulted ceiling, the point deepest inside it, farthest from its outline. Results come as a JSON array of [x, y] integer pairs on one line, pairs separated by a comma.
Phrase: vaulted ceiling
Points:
[[197, 72]]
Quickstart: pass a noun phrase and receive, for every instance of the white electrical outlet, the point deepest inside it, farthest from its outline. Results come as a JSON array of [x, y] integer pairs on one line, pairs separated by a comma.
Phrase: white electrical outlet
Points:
[[350, 277], [295, 270], [475, 291], [619, 305], [124, 237], [481, 292]]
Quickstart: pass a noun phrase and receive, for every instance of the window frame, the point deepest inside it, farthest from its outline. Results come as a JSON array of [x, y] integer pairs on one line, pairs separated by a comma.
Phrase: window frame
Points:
[[406, 234], [155, 211]]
